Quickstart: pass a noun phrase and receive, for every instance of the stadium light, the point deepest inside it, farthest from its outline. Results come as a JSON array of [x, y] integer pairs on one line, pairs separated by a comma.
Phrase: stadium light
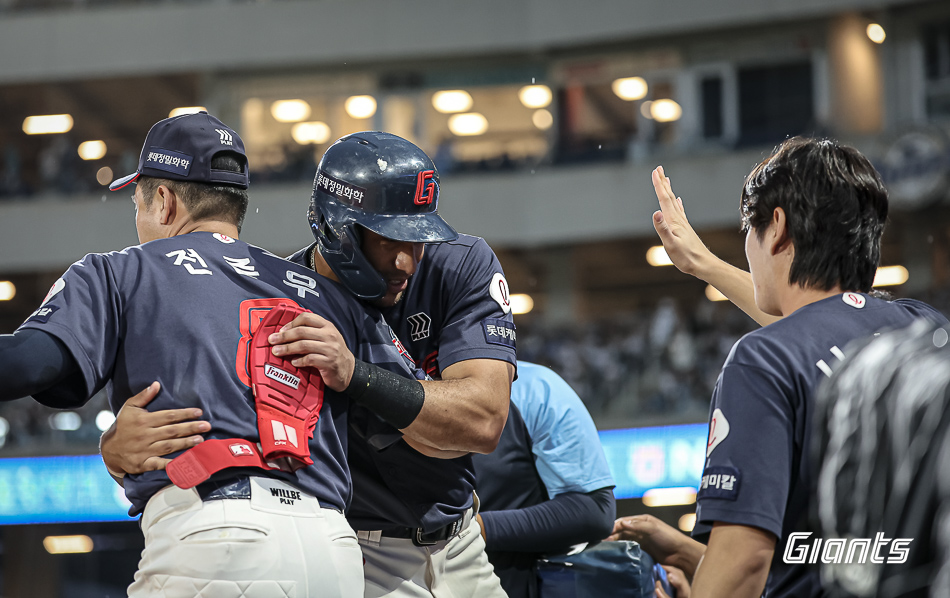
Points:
[[535, 96], [451, 101], [7, 290], [67, 544], [657, 256], [876, 33], [186, 110], [104, 176], [65, 420], [468, 124], [104, 420], [888, 276], [310, 132], [687, 522], [47, 124], [645, 109], [360, 106], [542, 119], [290, 111], [630, 88], [665, 110], [521, 303], [92, 150], [669, 497], [713, 294]]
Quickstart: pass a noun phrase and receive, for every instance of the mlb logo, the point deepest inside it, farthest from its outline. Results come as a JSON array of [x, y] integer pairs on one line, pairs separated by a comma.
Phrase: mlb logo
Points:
[[239, 450]]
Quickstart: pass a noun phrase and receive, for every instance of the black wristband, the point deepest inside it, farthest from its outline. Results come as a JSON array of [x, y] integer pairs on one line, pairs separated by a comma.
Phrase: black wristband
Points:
[[396, 399]]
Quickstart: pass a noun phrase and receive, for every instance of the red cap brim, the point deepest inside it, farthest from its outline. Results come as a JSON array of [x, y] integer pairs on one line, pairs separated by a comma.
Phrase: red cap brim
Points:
[[124, 181]]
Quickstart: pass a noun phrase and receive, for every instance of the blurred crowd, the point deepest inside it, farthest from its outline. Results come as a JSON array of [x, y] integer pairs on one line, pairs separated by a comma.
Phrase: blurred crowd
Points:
[[647, 367], [656, 364], [59, 170]]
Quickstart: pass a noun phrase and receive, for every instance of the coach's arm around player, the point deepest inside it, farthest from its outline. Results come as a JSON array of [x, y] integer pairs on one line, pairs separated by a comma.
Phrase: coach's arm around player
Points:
[[138, 439], [739, 555]]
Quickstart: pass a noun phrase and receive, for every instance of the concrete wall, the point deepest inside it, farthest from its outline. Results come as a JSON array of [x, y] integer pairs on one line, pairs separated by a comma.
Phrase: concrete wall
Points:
[[169, 38], [514, 210]]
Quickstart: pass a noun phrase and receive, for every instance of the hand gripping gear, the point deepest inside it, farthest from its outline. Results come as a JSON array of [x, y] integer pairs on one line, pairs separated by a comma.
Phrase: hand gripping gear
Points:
[[288, 399]]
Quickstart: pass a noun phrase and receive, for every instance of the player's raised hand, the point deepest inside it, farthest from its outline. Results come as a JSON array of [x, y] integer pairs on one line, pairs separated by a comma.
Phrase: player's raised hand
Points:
[[138, 438], [320, 345], [682, 244]]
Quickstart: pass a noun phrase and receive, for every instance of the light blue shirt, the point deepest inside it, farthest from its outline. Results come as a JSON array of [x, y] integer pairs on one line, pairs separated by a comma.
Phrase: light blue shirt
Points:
[[564, 438]]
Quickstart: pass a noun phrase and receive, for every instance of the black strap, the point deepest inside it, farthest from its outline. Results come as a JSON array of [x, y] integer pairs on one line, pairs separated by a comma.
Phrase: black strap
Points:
[[397, 400]]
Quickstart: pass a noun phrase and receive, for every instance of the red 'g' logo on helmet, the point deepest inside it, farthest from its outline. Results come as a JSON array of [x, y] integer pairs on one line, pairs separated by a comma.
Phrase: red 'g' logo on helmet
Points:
[[425, 188]]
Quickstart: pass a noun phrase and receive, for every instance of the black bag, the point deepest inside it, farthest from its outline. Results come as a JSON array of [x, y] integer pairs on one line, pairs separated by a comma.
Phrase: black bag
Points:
[[605, 570]]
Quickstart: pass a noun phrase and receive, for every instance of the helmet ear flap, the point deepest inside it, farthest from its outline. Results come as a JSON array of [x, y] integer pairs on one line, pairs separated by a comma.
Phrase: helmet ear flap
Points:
[[341, 250], [331, 238]]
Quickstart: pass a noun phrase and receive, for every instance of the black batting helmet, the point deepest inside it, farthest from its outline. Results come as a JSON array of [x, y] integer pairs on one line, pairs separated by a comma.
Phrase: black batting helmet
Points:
[[383, 183]]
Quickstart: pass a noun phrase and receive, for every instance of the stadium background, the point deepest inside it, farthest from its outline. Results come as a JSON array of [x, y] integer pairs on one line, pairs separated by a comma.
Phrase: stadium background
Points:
[[555, 177]]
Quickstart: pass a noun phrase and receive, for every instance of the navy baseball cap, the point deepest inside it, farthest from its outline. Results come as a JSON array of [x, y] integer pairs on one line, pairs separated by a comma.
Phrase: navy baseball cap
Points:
[[181, 148]]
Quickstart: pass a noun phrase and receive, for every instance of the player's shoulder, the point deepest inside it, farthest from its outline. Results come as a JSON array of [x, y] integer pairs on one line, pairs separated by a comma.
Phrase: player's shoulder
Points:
[[301, 256], [466, 248], [922, 311], [850, 311]]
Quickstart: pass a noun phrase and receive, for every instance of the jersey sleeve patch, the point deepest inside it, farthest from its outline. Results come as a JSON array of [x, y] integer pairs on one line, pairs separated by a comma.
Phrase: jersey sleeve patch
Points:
[[499, 332], [719, 482], [718, 430], [498, 289], [43, 314]]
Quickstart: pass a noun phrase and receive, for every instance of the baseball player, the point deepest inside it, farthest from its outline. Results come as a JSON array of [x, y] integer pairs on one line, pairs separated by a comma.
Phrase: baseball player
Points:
[[256, 509], [813, 212], [449, 304], [883, 421], [547, 486]]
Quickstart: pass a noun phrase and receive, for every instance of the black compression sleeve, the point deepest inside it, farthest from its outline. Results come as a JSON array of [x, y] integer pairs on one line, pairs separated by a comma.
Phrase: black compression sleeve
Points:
[[32, 361], [553, 526], [396, 399]]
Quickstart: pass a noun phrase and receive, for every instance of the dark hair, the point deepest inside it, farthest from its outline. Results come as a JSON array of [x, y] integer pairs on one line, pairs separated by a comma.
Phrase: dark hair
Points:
[[835, 207], [204, 200]]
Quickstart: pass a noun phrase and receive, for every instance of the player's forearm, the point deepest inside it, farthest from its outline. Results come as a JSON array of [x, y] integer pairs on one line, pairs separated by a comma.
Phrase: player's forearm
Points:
[[732, 579], [735, 284], [467, 409], [552, 526], [688, 557], [32, 361], [736, 563], [464, 412]]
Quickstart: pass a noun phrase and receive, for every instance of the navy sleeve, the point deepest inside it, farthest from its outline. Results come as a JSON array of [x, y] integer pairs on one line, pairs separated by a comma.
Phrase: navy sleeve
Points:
[[553, 526], [82, 311], [32, 361], [478, 320], [749, 452]]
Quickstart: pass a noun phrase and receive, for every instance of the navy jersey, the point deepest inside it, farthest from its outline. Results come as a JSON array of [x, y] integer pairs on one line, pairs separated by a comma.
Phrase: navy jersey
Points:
[[182, 311], [757, 472], [456, 307]]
